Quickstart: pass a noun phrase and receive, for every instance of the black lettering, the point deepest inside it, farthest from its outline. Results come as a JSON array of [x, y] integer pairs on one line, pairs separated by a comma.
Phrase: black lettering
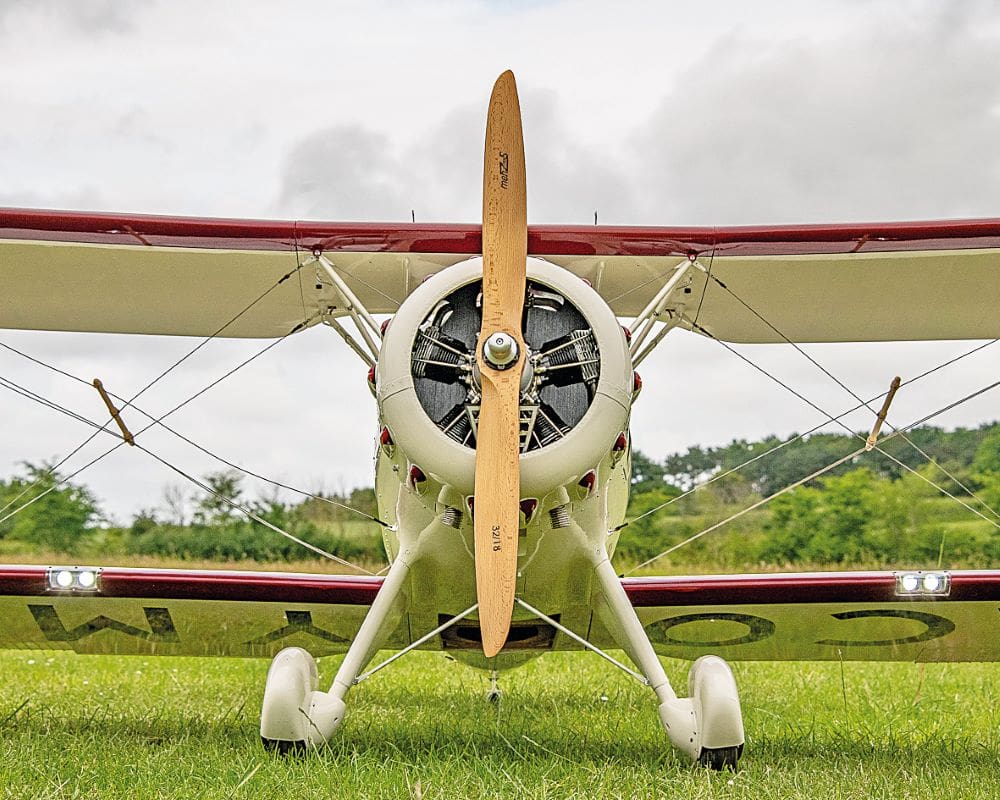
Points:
[[936, 628], [161, 626], [758, 629], [298, 622]]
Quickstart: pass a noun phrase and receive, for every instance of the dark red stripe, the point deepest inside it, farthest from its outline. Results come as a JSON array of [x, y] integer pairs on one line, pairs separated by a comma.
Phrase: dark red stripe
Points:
[[208, 585], [816, 587], [456, 239], [16, 580]]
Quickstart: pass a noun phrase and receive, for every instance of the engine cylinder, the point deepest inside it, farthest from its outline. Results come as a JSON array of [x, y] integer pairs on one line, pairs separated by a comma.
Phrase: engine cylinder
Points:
[[575, 392]]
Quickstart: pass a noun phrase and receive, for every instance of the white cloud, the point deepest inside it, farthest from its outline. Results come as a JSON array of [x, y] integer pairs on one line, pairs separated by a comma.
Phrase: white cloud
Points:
[[647, 112], [895, 120]]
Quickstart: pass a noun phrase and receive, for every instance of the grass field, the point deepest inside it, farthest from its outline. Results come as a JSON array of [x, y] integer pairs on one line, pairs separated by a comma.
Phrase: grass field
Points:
[[568, 726]]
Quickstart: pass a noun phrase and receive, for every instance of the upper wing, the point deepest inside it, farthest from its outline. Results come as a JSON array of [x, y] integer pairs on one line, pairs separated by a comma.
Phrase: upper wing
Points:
[[145, 274], [812, 283], [237, 278]]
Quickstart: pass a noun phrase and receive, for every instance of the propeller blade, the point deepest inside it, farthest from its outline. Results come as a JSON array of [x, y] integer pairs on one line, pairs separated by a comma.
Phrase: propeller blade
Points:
[[500, 355]]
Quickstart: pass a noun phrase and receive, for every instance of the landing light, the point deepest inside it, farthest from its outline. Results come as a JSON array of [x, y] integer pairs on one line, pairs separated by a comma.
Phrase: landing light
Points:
[[74, 579], [922, 584]]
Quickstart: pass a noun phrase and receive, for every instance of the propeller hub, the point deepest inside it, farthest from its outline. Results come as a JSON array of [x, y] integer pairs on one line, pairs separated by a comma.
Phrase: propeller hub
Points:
[[527, 375], [500, 350]]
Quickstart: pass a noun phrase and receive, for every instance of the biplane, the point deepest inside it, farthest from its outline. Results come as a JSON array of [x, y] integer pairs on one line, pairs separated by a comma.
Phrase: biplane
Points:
[[504, 379]]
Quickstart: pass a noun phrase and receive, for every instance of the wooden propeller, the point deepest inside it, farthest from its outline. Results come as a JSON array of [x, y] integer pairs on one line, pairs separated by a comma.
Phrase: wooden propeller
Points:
[[500, 356]]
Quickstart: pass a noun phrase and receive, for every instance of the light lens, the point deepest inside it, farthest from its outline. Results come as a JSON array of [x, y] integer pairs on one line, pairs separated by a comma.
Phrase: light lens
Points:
[[74, 579], [922, 583]]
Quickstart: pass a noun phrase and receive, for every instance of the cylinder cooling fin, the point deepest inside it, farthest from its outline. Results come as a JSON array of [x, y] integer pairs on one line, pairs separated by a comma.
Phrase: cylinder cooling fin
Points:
[[562, 365], [576, 388]]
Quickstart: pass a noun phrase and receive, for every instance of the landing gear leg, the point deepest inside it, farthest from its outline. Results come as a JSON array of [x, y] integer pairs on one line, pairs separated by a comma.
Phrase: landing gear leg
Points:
[[708, 724], [297, 716]]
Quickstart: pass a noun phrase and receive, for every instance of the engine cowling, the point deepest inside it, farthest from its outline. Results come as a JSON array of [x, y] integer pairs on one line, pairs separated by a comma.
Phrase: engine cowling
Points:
[[576, 388]]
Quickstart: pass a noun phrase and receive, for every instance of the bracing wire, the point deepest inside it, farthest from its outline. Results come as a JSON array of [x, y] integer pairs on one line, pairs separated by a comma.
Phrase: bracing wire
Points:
[[803, 435], [851, 392], [51, 470], [159, 421], [814, 475], [248, 512], [842, 424], [103, 428]]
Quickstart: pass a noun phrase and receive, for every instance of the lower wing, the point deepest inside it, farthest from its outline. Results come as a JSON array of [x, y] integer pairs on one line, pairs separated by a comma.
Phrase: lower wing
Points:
[[868, 616]]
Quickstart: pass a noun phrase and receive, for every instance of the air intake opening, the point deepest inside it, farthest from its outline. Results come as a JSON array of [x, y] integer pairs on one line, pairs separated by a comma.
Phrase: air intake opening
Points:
[[524, 635]]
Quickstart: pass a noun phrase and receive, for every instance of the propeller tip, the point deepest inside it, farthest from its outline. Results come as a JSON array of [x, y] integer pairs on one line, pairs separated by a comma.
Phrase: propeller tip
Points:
[[506, 75]]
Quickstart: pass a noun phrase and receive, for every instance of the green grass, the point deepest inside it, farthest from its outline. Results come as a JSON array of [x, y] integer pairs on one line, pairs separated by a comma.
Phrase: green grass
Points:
[[568, 726]]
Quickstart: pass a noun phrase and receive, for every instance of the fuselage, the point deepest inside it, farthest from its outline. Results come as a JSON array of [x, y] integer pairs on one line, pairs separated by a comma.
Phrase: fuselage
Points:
[[555, 552], [574, 465]]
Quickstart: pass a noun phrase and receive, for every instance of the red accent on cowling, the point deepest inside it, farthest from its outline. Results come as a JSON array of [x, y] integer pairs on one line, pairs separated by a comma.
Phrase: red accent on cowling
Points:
[[385, 438], [628, 335], [416, 475], [371, 375], [385, 325], [620, 443], [528, 507], [588, 481], [636, 384]]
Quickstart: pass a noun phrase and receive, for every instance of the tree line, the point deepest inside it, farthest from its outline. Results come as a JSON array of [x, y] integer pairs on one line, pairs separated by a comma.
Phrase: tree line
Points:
[[68, 519], [870, 510]]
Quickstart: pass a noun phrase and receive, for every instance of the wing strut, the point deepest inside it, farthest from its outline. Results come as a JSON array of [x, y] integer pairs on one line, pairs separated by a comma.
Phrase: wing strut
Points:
[[883, 412], [114, 412]]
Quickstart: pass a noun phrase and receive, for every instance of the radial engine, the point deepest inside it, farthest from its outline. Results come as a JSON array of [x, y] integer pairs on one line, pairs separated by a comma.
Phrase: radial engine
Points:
[[576, 389]]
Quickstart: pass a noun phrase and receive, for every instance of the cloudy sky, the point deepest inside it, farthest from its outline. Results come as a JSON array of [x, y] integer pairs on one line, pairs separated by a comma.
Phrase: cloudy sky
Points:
[[648, 112]]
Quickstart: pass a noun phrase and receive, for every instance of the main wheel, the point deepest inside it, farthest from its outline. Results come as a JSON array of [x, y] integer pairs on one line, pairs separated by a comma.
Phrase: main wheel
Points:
[[291, 678], [284, 748], [720, 758]]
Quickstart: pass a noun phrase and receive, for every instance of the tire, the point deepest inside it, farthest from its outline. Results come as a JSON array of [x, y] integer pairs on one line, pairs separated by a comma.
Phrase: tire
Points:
[[282, 747], [720, 758]]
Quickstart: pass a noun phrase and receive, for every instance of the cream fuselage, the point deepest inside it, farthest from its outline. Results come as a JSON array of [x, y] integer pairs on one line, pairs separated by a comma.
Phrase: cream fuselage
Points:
[[572, 525]]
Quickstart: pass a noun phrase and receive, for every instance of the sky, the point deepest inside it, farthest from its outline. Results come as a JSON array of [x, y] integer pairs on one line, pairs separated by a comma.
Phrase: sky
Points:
[[646, 112]]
